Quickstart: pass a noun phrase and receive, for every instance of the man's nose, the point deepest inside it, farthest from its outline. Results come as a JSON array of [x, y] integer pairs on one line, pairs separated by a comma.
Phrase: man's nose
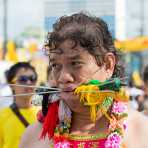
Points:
[[29, 82], [65, 76]]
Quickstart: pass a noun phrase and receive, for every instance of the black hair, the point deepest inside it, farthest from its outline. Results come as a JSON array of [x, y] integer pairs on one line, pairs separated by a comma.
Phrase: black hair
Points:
[[45, 101], [45, 104], [11, 73]]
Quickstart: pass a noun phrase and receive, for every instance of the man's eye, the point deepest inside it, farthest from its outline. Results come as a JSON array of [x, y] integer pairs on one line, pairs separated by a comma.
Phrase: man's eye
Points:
[[55, 66], [76, 63]]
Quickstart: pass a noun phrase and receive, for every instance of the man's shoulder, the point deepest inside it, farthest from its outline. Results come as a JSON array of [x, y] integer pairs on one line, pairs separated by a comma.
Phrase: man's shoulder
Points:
[[5, 111], [33, 109], [31, 137], [137, 117], [137, 121], [5, 114], [137, 129], [33, 131]]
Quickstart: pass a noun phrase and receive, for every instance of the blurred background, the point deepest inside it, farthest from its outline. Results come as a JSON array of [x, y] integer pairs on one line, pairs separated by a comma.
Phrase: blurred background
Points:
[[24, 24]]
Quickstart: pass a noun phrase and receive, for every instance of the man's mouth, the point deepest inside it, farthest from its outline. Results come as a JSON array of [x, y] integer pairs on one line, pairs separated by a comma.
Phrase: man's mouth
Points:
[[68, 89], [29, 89]]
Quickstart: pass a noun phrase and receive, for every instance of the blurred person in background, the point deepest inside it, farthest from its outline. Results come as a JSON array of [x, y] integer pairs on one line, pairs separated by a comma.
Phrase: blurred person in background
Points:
[[135, 92], [15, 118], [33, 131], [145, 104], [137, 133], [145, 96], [145, 79], [142, 98]]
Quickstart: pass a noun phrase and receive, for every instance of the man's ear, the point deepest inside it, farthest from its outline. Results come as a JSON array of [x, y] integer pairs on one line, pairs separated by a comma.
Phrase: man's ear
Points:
[[110, 62]]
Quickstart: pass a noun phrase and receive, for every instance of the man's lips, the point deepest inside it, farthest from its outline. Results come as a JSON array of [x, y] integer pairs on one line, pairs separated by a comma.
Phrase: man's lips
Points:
[[68, 89], [29, 89]]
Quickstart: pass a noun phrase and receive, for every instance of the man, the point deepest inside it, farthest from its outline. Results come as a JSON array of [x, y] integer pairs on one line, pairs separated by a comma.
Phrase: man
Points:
[[14, 119], [80, 49]]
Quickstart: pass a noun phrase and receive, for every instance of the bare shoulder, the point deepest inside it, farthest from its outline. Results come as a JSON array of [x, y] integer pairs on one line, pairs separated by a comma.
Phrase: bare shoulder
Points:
[[137, 130], [138, 119], [30, 135]]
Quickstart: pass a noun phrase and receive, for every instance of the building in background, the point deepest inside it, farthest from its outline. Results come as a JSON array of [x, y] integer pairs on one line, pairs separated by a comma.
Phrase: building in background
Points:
[[126, 18], [131, 18], [132, 21], [101, 8], [22, 16]]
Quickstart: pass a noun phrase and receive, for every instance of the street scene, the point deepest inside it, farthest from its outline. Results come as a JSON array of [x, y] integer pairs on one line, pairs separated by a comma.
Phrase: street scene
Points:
[[73, 73]]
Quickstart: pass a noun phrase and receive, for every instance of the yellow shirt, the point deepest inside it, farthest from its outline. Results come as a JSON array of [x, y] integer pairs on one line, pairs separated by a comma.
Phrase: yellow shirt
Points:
[[11, 128]]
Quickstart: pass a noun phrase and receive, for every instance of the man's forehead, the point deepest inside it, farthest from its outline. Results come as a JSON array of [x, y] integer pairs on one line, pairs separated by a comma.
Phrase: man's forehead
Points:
[[74, 52], [73, 56], [63, 51], [24, 71]]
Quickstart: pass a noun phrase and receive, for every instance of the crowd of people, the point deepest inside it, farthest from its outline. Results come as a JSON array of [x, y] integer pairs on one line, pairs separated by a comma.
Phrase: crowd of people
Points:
[[139, 94], [87, 104]]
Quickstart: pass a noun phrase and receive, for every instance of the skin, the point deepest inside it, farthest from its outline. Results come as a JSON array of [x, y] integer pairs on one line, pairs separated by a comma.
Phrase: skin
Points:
[[137, 133], [31, 137], [136, 136], [72, 67], [23, 101], [69, 73]]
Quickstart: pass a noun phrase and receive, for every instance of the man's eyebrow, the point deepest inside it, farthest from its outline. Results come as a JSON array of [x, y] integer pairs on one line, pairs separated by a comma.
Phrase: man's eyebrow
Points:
[[76, 57]]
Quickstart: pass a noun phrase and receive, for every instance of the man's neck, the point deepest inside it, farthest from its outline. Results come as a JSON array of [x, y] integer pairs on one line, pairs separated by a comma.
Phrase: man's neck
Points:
[[82, 125], [23, 102]]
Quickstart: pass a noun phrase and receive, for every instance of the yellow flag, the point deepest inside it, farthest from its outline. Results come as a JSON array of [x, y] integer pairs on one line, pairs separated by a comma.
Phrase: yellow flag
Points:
[[33, 47], [11, 54], [133, 45], [137, 79]]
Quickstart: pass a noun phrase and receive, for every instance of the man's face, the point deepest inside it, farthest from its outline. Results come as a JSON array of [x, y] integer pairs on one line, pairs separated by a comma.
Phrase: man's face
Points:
[[72, 67], [24, 77]]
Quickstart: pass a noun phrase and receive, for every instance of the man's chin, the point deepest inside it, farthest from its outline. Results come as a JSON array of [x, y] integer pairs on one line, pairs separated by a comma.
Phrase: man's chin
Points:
[[66, 95]]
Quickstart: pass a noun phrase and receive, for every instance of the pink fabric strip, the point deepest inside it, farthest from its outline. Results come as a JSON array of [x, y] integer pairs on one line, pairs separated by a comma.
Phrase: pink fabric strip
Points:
[[88, 144], [64, 143]]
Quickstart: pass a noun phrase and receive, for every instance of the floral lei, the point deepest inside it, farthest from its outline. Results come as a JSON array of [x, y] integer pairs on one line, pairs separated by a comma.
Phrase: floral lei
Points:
[[110, 98]]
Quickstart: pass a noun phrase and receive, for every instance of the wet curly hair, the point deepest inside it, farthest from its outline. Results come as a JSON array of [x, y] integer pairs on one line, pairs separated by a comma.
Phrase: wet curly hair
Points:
[[88, 31]]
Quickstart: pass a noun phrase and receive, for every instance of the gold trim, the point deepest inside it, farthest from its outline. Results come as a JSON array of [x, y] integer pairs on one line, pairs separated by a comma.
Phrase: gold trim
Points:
[[88, 137]]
